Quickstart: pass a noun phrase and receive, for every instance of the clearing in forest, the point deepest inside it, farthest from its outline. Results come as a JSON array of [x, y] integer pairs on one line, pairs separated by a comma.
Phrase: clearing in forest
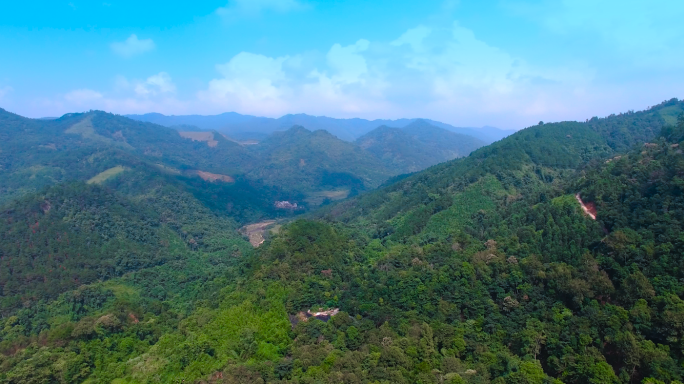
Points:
[[317, 198], [200, 136], [103, 176], [589, 208], [256, 231], [211, 177], [85, 129]]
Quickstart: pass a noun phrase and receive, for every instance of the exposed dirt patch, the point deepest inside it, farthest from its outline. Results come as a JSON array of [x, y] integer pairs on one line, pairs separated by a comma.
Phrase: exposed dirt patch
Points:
[[321, 315], [588, 208], [207, 137], [256, 231], [212, 177]]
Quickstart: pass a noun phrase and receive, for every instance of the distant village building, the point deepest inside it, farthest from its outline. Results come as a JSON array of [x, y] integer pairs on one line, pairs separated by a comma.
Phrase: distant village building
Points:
[[285, 205]]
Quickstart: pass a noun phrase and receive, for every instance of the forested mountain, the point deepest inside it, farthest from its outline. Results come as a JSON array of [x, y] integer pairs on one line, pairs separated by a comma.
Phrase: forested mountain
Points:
[[253, 127], [316, 160], [36, 153], [521, 164], [551, 256], [417, 146], [313, 167]]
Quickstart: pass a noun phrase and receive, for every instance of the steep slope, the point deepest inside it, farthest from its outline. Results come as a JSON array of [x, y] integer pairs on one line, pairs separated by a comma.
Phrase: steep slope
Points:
[[74, 234], [521, 165]]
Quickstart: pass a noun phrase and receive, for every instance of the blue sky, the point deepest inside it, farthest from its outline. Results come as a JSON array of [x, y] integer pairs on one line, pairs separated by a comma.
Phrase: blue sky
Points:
[[507, 63]]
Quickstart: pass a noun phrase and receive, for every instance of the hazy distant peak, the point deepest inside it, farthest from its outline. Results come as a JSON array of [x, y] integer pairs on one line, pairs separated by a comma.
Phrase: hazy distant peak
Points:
[[350, 129], [422, 124], [297, 129], [380, 131]]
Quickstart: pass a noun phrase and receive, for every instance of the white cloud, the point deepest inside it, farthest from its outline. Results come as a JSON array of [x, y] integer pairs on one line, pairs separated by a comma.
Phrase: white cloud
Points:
[[444, 73], [348, 61], [464, 76], [441, 72], [250, 83], [132, 46], [82, 96], [156, 93], [158, 84], [255, 7], [253, 83]]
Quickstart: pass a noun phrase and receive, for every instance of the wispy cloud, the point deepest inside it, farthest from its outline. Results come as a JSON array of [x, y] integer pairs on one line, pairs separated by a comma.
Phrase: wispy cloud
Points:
[[413, 37], [132, 46], [442, 71], [646, 32], [82, 96], [255, 7], [155, 93], [4, 91], [155, 85]]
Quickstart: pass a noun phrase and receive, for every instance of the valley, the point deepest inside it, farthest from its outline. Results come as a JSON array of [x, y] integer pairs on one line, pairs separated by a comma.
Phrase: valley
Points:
[[341, 192], [136, 253]]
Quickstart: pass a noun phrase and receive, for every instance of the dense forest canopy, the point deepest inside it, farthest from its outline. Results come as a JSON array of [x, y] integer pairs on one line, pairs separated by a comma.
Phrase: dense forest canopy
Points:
[[485, 269]]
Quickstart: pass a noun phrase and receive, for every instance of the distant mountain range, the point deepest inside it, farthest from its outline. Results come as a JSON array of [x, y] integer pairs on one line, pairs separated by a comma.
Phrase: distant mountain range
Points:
[[252, 127], [311, 167]]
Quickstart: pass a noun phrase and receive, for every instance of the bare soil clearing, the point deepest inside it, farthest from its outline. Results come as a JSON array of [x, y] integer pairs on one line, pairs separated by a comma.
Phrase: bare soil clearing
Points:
[[208, 137], [255, 231], [214, 176], [588, 208]]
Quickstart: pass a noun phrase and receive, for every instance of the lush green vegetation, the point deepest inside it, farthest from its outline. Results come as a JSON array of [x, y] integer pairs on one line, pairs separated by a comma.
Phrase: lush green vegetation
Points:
[[417, 146], [296, 164], [479, 270], [316, 160]]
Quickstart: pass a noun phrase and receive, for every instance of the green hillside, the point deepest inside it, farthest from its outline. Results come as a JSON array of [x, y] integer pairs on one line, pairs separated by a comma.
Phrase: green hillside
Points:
[[523, 165], [310, 168], [484, 269], [417, 146], [38, 153], [448, 144], [316, 161]]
